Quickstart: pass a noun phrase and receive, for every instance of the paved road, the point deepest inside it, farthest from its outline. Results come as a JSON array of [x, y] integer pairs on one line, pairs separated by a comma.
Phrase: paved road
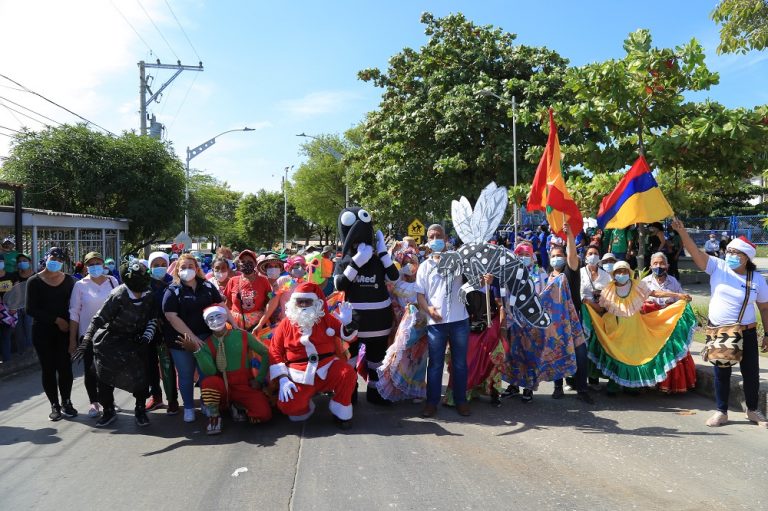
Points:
[[643, 452]]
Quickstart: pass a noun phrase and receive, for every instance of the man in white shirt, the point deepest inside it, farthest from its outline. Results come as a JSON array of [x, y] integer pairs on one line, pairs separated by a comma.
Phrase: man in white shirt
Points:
[[712, 246], [448, 321]]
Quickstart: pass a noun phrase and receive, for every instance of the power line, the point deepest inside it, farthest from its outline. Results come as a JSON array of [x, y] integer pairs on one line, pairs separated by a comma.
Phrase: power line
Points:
[[6, 135], [13, 115], [151, 52], [176, 115], [30, 110], [182, 29], [10, 129], [158, 29], [26, 89], [21, 113]]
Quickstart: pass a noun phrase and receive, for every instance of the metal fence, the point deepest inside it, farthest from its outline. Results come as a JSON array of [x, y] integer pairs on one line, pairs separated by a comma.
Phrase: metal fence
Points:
[[749, 226]]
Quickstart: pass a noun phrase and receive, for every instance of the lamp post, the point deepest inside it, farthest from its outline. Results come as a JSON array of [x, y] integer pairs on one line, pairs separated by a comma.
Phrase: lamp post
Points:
[[339, 157], [285, 207], [191, 153], [489, 93]]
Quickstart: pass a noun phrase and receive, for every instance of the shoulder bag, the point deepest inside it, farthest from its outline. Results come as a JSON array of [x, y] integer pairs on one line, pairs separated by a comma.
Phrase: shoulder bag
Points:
[[724, 346]]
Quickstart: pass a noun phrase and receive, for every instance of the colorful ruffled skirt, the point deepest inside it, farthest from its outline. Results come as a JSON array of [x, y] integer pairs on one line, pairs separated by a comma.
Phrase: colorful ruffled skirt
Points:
[[640, 350], [403, 372]]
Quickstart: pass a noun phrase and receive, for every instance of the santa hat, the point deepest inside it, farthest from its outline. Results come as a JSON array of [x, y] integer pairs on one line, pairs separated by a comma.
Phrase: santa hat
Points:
[[213, 309], [742, 244], [308, 290]]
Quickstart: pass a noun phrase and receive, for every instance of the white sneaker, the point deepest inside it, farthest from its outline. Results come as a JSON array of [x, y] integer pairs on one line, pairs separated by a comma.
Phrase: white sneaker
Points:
[[189, 415], [718, 419], [757, 417], [94, 411]]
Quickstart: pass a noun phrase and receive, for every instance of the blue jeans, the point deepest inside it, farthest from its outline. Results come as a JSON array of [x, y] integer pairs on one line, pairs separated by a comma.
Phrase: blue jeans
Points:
[[457, 334], [750, 373], [185, 365]]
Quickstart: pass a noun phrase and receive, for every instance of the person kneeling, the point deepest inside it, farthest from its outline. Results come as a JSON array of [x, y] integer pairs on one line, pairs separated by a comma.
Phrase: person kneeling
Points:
[[303, 356], [224, 359]]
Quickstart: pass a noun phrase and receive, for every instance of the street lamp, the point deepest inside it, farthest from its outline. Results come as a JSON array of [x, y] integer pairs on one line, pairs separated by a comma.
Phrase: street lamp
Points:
[[339, 157], [191, 153], [285, 207], [489, 93]]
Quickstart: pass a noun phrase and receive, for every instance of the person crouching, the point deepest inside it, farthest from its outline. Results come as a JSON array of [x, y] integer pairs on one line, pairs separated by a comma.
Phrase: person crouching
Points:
[[224, 359], [303, 356]]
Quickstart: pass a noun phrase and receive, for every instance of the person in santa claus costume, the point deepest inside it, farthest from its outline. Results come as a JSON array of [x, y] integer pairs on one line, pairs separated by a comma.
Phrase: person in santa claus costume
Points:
[[303, 356]]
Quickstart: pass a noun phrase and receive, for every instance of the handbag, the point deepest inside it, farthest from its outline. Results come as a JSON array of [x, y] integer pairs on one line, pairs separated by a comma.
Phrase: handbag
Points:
[[724, 346]]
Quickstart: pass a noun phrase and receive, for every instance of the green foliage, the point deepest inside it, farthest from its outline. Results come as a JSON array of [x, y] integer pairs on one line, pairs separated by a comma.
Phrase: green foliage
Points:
[[743, 25], [212, 208], [73, 169], [260, 218], [433, 138]]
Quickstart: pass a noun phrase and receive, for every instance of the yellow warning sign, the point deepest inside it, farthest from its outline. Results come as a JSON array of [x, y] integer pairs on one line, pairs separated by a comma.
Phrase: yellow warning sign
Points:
[[416, 230]]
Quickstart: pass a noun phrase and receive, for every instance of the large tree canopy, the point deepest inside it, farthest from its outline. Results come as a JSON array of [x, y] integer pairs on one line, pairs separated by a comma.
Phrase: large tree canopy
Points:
[[433, 137], [743, 25], [73, 169]]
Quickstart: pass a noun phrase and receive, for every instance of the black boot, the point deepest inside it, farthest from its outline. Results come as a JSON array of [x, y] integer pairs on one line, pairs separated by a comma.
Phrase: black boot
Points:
[[342, 424], [141, 416], [372, 396], [108, 416]]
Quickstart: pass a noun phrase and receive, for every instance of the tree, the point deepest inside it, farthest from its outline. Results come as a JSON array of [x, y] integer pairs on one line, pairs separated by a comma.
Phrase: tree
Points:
[[260, 218], [432, 138], [212, 208], [634, 105], [73, 169], [743, 25]]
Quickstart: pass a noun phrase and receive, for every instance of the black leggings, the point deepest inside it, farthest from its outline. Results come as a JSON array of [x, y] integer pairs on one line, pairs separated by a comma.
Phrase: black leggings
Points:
[[89, 374], [52, 347]]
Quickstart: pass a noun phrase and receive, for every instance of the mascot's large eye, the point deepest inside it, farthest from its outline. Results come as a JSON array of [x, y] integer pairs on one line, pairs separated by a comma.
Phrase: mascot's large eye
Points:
[[348, 218], [364, 216]]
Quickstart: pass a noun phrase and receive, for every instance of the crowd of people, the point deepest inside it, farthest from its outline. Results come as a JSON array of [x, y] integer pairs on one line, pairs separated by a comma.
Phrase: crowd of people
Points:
[[264, 333]]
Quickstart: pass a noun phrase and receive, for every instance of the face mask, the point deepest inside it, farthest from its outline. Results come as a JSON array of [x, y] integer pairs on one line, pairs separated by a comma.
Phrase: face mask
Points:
[[158, 272], [111, 266], [231, 263], [557, 262], [273, 273], [526, 260], [621, 278], [437, 245], [187, 275], [96, 270], [298, 272], [421, 253], [220, 275], [733, 261], [593, 259], [216, 322], [53, 265], [23, 265], [608, 267], [659, 271], [248, 268], [406, 270]]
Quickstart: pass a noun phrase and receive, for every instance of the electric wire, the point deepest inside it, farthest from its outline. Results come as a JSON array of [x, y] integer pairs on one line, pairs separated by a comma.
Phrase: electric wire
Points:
[[10, 129], [182, 30], [158, 30], [30, 110], [27, 89], [151, 52], [176, 115]]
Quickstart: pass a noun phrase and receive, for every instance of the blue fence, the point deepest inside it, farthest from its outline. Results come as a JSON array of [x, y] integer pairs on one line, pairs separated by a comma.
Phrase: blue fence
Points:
[[749, 226]]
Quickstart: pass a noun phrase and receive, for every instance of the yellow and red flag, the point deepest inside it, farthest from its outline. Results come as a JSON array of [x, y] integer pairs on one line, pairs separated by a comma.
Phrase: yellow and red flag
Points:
[[548, 192]]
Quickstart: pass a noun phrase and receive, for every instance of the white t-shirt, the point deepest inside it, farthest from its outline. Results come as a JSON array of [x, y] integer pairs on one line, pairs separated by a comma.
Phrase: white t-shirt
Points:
[[727, 288], [670, 284], [87, 298], [589, 286], [443, 296]]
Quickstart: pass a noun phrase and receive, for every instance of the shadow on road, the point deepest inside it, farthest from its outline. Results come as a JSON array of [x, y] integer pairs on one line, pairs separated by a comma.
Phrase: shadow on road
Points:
[[10, 435]]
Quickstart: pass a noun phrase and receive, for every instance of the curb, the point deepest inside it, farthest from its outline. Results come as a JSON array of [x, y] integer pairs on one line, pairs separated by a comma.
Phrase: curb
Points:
[[705, 384], [19, 364]]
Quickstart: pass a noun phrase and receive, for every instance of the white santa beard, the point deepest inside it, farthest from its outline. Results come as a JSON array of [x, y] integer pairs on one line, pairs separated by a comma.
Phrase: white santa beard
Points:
[[304, 318]]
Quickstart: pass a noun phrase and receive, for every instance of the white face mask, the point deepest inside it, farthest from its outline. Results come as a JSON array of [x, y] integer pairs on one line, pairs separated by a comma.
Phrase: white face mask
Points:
[[407, 270], [216, 322], [593, 259], [219, 275], [187, 275], [273, 273]]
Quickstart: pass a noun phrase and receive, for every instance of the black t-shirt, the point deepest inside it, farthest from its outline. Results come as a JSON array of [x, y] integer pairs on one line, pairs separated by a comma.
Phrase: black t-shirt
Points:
[[574, 285], [189, 303]]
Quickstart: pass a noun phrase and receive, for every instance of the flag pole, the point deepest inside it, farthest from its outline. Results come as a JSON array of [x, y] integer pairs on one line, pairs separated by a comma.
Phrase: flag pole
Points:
[[514, 165]]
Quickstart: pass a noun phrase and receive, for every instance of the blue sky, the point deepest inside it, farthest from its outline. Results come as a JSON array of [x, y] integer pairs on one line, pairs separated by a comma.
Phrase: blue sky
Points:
[[291, 67]]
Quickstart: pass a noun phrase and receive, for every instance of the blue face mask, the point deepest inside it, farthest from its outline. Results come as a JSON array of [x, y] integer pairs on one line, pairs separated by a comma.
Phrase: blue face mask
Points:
[[608, 267], [733, 261], [158, 272], [557, 263], [437, 245], [53, 265], [659, 271], [621, 278], [23, 265], [526, 260], [97, 270]]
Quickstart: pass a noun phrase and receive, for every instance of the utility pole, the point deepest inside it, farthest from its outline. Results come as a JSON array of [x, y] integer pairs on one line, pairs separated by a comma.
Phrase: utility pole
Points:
[[285, 207], [144, 86]]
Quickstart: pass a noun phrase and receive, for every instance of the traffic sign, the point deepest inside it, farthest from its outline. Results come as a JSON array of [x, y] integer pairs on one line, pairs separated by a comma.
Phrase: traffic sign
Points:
[[416, 230]]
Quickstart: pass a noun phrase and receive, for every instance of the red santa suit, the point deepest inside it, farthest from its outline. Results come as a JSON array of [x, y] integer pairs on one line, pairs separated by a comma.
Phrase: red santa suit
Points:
[[308, 357]]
